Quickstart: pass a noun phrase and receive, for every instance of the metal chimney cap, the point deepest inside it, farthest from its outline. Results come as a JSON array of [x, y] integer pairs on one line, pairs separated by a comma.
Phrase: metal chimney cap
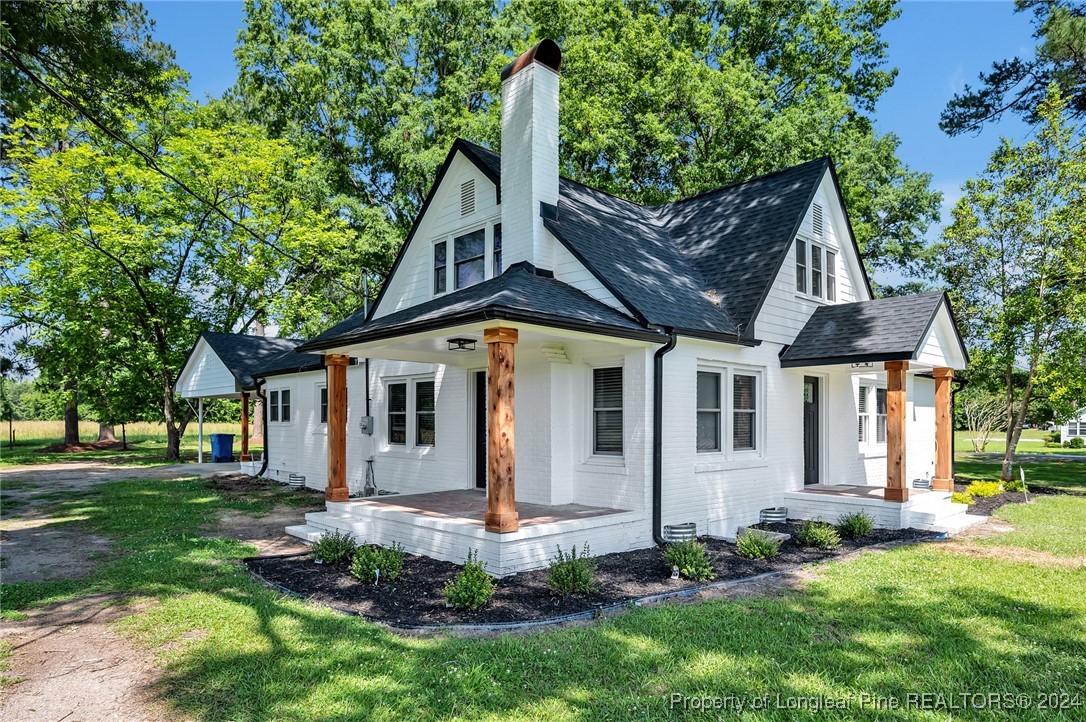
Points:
[[545, 52]]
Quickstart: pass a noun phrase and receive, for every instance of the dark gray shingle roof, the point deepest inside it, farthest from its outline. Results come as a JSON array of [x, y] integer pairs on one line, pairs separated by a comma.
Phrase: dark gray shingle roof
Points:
[[885, 329], [249, 356], [518, 294]]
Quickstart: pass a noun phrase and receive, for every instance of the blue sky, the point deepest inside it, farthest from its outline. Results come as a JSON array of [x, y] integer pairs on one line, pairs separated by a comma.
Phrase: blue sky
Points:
[[937, 47]]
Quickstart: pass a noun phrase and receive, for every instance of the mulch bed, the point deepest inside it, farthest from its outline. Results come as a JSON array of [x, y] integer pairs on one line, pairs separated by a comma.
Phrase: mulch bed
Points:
[[416, 598], [984, 506]]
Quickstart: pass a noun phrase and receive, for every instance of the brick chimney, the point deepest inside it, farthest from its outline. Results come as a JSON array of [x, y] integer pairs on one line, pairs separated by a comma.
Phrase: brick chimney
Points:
[[529, 152]]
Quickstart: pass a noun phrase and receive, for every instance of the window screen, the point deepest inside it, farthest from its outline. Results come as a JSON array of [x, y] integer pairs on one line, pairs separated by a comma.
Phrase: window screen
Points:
[[607, 411], [708, 411], [744, 388]]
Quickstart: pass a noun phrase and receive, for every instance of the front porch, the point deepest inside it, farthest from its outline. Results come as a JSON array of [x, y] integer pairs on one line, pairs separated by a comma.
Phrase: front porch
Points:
[[922, 509], [446, 525]]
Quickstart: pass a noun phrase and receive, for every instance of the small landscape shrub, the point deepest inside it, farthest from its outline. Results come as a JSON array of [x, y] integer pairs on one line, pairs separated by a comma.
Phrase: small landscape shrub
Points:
[[370, 557], [1076, 442], [1014, 485], [334, 547], [572, 574], [981, 489], [961, 497], [818, 534], [691, 559], [754, 544], [472, 587], [1053, 437], [855, 525]]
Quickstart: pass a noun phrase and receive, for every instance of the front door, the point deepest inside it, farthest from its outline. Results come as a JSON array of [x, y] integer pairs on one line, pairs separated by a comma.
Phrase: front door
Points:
[[810, 430], [479, 440]]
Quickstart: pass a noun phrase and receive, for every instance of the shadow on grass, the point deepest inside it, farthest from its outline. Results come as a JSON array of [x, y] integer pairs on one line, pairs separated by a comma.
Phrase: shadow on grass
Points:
[[913, 619]]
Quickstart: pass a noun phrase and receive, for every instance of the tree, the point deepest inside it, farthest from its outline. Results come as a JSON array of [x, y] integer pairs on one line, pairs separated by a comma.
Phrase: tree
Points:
[[1020, 85], [100, 51], [983, 412], [659, 100], [119, 266], [1014, 259]]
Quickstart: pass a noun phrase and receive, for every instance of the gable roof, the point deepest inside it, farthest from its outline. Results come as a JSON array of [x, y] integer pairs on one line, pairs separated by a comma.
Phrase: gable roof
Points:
[[248, 357], [884, 329], [521, 293]]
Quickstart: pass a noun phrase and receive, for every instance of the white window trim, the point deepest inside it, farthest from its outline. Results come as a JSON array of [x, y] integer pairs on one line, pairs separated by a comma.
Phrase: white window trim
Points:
[[279, 410], [410, 448], [591, 458], [450, 253], [870, 447], [711, 460], [321, 427], [825, 246]]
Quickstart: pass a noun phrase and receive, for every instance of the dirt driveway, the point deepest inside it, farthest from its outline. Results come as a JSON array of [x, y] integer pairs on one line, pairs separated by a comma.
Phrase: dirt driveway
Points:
[[66, 662]]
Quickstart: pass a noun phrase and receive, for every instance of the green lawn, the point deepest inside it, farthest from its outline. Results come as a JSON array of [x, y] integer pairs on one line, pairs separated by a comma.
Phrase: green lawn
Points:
[[234, 650], [1066, 475], [1031, 442], [143, 450]]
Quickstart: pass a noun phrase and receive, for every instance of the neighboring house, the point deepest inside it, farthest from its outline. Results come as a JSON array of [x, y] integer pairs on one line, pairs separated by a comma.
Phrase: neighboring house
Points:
[[548, 364], [1074, 427]]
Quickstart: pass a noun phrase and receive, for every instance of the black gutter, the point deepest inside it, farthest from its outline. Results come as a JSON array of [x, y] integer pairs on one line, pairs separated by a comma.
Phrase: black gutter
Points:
[[264, 423], [657, 437], [790, 363]]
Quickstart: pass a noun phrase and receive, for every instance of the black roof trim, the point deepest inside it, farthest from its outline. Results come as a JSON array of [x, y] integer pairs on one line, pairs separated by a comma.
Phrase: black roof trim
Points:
[[731, 338], [835, 360]]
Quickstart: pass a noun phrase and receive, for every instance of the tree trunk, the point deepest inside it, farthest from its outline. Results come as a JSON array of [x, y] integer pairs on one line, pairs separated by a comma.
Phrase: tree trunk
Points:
[[1014, 431], [71, 415], [105, 432], [173, 433], [258, 420]]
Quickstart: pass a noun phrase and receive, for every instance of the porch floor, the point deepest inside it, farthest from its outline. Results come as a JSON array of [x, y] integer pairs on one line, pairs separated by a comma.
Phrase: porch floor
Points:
[[856, 490], [469, 505]]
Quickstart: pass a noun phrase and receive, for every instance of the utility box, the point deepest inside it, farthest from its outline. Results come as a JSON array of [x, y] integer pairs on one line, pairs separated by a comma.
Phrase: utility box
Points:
[[366, 425]]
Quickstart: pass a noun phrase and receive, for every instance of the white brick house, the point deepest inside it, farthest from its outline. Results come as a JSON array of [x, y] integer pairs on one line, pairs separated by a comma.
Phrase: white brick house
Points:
[[549, 364]]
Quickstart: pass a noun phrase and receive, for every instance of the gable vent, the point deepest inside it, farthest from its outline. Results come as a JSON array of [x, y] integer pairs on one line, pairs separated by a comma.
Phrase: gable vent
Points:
[[467, 197], [817, 224]]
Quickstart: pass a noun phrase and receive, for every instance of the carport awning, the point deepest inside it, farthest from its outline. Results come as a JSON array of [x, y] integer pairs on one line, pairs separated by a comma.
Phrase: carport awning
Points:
[[904, 328]]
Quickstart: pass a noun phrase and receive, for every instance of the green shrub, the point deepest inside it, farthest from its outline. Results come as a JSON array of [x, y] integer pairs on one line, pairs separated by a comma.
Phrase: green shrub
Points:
[[1076, 442], [1053, 437], [1014, 485], [961, 497], [982, 489], [818, 534], [370, 558], [754, 544], [572, 574], [691, 558], [472, 587], [855, 525], [333, 547]]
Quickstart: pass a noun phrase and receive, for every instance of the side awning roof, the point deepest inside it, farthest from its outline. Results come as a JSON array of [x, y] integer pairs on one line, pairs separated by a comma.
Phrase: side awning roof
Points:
[[902, 328]]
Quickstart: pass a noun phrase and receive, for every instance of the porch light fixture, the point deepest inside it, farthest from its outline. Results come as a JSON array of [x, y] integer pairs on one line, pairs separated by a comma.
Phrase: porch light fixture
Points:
[[461, 344]]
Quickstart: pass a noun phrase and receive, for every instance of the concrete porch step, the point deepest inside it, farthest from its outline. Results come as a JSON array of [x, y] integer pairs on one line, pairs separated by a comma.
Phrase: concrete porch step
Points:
[[305, 532], [326, 521]]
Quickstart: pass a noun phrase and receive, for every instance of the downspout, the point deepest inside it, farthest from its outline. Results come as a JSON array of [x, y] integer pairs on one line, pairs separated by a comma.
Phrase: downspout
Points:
[[264, 423], [657, 434]]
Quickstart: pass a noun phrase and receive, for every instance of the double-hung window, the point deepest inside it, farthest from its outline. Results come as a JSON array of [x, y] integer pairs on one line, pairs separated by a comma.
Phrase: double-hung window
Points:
[[411, 409], [871, 409], [744, 412], [323, 402], [498, 249], [607, 411], [279, 405], [709, 411], [831, 275], [469, 258], [880, 416], [441, 267], [801, 266], [816, 271]]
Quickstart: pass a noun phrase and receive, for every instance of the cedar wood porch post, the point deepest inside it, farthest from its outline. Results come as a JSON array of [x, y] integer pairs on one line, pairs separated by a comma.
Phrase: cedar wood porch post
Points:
[[245, 427], [336, 367], [944, 431], [896, 489], [501, 510]]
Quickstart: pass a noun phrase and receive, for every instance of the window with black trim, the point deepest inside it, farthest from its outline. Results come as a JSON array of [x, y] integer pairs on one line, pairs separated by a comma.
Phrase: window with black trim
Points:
[[425, 427], [397, 414], [498, 249], [607, 411], [709, 411], [323, 400], [273, 406], [441, 264], [469, 253], [744, 412]]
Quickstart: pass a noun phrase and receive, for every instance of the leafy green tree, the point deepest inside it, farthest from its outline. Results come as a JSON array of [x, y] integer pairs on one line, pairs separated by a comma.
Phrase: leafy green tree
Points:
[[118, 266], [1014, 258], [659, 99], [1018, 85]]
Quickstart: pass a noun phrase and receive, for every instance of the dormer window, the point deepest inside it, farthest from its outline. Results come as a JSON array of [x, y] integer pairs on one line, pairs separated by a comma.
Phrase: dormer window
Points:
[[463, 260]]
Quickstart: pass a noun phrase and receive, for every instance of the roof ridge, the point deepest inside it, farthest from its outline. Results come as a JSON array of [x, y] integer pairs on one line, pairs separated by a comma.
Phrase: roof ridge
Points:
[[754, 179]]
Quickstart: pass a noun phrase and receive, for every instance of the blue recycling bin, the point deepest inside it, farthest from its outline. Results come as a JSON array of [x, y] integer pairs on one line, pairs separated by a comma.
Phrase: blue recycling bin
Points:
[[222, 448]]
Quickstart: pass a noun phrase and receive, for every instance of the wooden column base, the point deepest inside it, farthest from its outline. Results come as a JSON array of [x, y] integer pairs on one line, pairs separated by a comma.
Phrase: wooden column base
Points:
[[501, 522], [335, 493], [893, 493], [246, 457], [942, 484]]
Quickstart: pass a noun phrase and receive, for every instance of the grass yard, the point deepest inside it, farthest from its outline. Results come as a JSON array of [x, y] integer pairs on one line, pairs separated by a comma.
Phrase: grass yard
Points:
[[147, 443], [1067, 475], [925, 618], [1032, 442]]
